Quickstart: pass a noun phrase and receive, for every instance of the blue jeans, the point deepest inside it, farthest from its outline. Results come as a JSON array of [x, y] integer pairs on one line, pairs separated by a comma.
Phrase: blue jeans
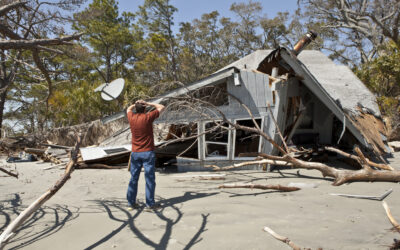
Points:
[[147, 160]]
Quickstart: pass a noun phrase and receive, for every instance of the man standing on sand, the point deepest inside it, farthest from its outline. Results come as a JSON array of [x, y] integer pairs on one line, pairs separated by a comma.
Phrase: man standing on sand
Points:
[[142, 154]]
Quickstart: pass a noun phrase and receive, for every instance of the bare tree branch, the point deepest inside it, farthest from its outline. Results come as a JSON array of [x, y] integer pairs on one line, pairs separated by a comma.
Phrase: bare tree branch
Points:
[[28, 44], [15, 5], [9, 173], [392, 220], [282, 238], [259, 186], [24, 215]]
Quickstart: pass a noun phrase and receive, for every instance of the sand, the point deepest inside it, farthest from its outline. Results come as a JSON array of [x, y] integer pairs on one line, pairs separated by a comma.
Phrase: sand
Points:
[[90, 211]]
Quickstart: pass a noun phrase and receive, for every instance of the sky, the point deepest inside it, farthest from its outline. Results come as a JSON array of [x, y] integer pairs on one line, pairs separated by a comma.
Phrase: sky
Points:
[[191, 9]]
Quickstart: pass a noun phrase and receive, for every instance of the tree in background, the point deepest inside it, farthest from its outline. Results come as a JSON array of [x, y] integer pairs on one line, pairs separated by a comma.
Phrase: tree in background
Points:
[[35, 27], [364, 26], [158, 62], [245, 37], [206, 45], [382, 76], [144, 49], [112, 38]]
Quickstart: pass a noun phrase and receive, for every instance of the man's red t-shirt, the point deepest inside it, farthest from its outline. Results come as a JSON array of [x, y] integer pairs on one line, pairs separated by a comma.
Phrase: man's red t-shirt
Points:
[[142, 130]]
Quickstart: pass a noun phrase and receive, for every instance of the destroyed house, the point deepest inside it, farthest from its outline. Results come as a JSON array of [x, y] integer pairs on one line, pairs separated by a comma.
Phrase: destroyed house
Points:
[[312, 100]]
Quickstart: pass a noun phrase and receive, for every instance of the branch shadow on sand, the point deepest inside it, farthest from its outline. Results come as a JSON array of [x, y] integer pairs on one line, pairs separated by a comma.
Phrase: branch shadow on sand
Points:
[[44, 222], [117, 211]]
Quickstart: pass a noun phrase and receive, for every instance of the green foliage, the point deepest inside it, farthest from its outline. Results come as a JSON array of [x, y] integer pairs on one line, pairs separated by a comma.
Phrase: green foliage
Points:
[[75, 103], [382, 76], [112, 37], [143, 49], [158, 58]]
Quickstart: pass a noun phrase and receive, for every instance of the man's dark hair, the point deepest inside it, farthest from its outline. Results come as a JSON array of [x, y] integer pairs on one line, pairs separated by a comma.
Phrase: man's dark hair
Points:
[[139, 108]]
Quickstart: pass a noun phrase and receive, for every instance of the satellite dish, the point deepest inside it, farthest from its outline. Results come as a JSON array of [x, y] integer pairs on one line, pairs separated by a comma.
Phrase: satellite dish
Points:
[[110, 91]]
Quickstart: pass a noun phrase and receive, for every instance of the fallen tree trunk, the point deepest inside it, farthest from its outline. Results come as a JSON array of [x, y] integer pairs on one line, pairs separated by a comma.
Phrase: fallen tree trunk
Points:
[[343, 176], [36, 151], [22, 217], [371, 163], [259, 186], [340, 175]]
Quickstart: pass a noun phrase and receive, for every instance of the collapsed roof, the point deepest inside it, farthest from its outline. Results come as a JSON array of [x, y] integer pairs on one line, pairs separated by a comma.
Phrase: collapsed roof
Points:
[[334, 85]]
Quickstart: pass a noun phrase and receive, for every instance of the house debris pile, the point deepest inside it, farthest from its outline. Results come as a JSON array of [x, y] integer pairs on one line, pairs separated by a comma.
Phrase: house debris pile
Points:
[[272, 108], [55, 144], [310, 100], [303, 102]]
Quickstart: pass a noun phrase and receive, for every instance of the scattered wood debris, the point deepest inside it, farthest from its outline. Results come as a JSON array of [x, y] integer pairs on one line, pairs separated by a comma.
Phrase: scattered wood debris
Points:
[[284, 239], [260, 186], [367, 173], [10, 173], [392, 220], [395, 145], [11, 229], [97, 166], [396, 225]]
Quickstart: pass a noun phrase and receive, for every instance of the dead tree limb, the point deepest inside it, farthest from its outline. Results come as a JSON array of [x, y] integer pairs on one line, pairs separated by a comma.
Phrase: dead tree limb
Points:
[[9, 172], [24, 215], [247, 163], [259, 186], [6, 8], [371, 163], [97, 166], [392, 220], [344, 176], [340, 176], [282, 238], [42, 153], [28, 44]]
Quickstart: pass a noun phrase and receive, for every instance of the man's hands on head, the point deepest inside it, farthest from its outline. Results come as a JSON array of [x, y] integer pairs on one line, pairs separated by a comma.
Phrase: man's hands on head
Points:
[[157, 106]]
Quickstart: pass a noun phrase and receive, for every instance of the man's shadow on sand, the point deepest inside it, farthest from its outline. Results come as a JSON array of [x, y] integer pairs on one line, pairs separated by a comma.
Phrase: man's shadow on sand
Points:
[[130, 216]]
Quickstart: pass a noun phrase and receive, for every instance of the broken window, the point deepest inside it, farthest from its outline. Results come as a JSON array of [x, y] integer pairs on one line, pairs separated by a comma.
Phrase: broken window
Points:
[[185, 136], [216, 141], [246, 141], [181, 131]]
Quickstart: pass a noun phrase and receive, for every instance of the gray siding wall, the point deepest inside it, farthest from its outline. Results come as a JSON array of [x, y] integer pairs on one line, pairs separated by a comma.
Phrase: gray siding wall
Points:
[[256, 92]]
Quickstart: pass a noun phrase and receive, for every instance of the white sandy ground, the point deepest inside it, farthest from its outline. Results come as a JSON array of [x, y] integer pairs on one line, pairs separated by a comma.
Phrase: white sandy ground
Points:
[[90, 211]]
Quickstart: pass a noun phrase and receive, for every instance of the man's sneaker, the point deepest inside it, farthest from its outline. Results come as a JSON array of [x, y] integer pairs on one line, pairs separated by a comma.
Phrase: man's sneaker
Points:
[[153, 208], [130, 208]]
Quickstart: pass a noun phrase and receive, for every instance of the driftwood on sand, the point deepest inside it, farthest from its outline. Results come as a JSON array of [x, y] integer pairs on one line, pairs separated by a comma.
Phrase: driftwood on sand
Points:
[[9, 232], [259, 186], [9, 172], [283, 239]]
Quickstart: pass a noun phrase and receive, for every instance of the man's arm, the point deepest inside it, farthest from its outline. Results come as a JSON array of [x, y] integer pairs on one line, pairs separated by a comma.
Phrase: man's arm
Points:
[[129, 110], [157, 106]]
